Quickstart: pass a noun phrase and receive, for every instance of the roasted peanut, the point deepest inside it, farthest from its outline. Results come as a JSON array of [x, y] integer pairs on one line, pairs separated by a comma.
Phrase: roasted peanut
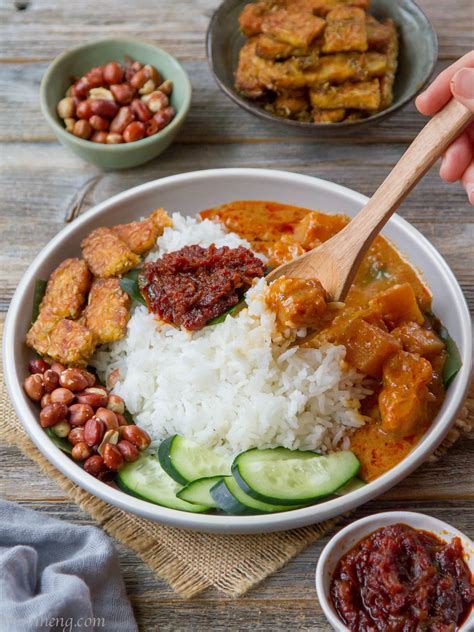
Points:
[[58, 367], [148, 87], [46, 400], [90, 377], [94, 465], [116, 404], [50, 380], [121, 419], [104, 108], [69, 124], [62, 429], [81, 88], [53, 414], [99, 137], [114, 139], [34, 386], [73, 379], [137, 436], [123, 118], [62, 396], [145, 74], [99, 123], [101, 93], [157, 101], [108, 418], [80, 452], [38, 365], [113, 378], [113, 72], [131, 69], [76, 435], [95, 76], [94, 396], [84, 109], [134, 131], [166, 87], [80, 413], [129, 452], [82, 129], [151, 127], [66, 108], [94, 431], [112, 456], [110, 436], [123, 92], [141, 111]]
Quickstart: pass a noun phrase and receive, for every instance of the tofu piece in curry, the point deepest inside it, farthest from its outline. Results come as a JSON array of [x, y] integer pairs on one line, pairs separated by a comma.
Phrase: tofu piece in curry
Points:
[[384, 324]]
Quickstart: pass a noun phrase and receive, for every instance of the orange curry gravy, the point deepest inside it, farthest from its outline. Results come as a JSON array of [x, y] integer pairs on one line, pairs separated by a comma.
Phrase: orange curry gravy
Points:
[[283, 232]]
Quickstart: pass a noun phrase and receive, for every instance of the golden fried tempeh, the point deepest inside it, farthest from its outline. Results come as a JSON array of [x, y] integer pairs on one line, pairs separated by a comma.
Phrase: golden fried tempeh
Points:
[[345, 31], [323, 7], [65, 295], [269, 48], [328, 116], [291, 103], [343, 67], [378, 33], [71, 343], [364, 95], [251, 17], [107, 312], [161, 218], [106, 254], [292, 26], [387, 81]]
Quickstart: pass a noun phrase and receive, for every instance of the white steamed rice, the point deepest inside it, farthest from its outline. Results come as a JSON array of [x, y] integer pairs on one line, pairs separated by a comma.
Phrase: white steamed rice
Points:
[[231, 386]]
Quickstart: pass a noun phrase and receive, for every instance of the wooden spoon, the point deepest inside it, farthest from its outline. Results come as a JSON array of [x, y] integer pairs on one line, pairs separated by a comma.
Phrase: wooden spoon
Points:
[[335, 262]]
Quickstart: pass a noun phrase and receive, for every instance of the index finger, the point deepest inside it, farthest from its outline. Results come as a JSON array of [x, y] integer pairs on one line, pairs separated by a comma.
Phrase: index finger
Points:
[[439, 92]]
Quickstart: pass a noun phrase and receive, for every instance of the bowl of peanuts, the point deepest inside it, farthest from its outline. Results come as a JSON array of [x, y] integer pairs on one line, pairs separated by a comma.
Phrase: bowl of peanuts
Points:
[[115, 102]]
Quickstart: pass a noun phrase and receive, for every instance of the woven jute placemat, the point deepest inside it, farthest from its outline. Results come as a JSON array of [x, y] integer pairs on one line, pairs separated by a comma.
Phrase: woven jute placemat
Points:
[[189, 561]]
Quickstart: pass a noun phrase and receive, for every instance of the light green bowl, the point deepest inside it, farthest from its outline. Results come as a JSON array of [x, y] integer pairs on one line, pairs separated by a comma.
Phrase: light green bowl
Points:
[[77, 61]]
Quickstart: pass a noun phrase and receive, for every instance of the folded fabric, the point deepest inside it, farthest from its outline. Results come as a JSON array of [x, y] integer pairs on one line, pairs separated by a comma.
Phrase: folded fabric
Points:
[[58, 576]]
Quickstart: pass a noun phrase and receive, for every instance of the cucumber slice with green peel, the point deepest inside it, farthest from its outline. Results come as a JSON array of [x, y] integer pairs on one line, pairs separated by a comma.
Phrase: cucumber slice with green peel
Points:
[[229, 497], [299, 480], [186, 461], [199, 492], [351, 486], [147, 479]]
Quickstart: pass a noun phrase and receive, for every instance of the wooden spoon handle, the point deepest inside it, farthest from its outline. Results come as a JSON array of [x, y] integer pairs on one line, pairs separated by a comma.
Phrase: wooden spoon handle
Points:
[[427, 147]]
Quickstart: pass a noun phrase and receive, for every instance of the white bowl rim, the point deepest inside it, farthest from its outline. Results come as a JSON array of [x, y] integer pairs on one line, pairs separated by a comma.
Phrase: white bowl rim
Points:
[[373, 522], [222, 523]]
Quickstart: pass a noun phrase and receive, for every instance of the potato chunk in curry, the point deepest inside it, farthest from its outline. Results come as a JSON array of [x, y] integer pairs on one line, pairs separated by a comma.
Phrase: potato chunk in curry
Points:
[[404, 397], [297, 302]]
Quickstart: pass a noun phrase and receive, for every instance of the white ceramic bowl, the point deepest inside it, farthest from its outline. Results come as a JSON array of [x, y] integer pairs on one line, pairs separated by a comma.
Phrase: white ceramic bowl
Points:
[[343, 541], [190, 193]]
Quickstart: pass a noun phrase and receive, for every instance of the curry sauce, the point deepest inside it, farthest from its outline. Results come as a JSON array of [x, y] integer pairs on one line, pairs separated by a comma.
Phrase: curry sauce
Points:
[[386, 307]]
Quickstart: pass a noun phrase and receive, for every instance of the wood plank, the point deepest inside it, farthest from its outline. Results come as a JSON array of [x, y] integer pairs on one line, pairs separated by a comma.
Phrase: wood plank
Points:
[[44, 29], [213, 118]]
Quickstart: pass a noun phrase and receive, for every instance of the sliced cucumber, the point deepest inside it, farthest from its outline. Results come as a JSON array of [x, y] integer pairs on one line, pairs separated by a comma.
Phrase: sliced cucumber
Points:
[[233, 500], [301, 479], [351, 486], [199, 492], [186, 461], [146, 479]]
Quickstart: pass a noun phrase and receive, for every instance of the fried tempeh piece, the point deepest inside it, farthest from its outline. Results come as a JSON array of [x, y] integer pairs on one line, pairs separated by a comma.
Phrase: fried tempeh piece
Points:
[[251, 17], [141, 236], [65, 295], [71, 343], [345, 31], [387, 81], [161, 218], [291, 103], [292, 26], [107, 312], [323, 7], [343, 67], [364, 95], [328, 116], [269, 48], [379, 34], [106, 254]]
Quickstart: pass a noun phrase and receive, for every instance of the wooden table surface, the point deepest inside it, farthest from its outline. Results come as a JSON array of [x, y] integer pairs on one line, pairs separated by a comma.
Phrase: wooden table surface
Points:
[[39, 180]]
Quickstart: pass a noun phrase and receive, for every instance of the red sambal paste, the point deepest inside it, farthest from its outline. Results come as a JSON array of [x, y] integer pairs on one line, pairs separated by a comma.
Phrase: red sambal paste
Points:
[[400, 579], [191, 286]]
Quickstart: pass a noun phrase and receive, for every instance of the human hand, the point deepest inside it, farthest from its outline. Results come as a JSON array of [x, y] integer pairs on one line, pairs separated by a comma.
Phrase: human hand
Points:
[[456, 81]]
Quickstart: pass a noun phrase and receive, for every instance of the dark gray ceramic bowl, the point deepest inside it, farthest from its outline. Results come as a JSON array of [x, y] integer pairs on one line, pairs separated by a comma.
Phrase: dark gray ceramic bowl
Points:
[[417, 57]]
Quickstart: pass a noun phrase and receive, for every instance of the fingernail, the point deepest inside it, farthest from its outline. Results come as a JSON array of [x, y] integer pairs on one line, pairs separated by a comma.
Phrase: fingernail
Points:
[[462, 83], [470, 193]]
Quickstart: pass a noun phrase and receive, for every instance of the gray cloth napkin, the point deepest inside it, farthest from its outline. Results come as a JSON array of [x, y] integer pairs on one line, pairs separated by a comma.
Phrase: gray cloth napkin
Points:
[[57, 576]]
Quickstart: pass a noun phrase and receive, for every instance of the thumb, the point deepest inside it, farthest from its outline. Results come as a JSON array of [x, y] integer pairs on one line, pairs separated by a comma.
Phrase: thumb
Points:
[[462, 87]]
